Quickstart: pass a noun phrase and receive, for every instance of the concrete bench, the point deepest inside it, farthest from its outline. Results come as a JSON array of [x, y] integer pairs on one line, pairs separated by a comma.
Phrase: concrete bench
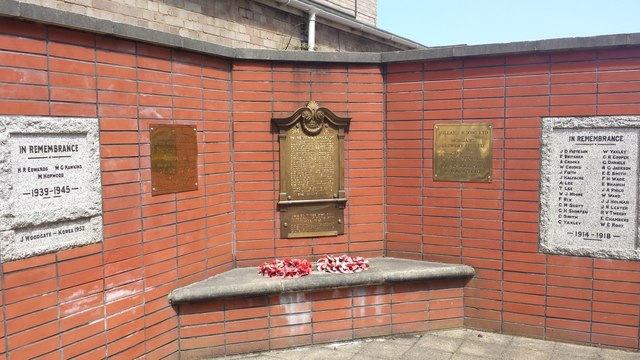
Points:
[[240, 311], [245, 282]]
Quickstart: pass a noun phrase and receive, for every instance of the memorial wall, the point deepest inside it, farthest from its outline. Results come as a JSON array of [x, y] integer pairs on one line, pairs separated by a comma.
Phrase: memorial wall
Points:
[[535, 154], [553, 234]]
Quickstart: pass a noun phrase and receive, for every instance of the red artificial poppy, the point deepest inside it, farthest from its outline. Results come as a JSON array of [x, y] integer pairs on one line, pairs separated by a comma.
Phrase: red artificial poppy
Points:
[[287, 268], [342, 264]]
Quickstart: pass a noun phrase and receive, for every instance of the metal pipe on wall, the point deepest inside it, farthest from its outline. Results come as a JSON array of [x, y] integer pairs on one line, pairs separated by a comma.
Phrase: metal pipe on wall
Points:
[[312, 31], [320, 13]]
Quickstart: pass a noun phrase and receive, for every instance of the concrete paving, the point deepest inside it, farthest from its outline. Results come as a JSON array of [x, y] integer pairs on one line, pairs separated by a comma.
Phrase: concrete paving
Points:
[[457, 344]]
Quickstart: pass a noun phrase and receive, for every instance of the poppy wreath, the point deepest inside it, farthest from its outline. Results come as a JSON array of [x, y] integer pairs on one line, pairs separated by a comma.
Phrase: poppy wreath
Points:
[[285, 269], [342, 264]]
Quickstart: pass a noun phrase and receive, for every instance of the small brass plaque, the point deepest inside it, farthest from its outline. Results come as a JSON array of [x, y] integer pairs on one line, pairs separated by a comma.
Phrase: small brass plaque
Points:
[[174, 158], [462, 152], [310, 220]]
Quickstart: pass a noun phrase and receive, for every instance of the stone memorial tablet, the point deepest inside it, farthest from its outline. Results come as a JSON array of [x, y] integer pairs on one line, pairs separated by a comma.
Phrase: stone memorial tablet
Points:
[[312, 196], [462, 152], [590, 186], [51, 194]]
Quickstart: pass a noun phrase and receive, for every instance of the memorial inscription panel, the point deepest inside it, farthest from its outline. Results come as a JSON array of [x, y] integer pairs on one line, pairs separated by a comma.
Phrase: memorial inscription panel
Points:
[[462, 152], [51, 193], [48, 169], [590, 186], [174, 158], [314, 163], [312, 196]]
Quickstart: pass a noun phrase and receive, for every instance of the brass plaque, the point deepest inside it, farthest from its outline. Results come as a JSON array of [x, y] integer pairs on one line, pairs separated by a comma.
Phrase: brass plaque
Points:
[[174, 158], [314, 163], [311, 220], [462, 152], [312, 197]]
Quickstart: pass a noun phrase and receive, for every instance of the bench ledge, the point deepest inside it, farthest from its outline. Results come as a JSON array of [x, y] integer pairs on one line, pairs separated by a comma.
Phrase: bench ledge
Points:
[[245, 282]]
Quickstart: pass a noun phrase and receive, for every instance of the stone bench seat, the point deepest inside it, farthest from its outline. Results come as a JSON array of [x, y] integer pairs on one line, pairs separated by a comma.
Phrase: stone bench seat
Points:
[[245, 282]]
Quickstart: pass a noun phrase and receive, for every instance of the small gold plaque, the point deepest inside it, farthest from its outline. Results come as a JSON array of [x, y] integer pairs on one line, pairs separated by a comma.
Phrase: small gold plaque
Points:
[[311, 220], [174, 158], [462, 152]]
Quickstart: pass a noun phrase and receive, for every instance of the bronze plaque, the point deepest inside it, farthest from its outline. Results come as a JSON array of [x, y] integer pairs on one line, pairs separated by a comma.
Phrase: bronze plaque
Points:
[[312, 220], [312, 197], [462, 152], [174, 158], [314, 163]]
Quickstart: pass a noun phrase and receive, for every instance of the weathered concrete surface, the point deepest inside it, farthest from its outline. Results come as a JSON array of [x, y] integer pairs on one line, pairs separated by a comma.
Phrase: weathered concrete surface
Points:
[[458, 344], [246, 282]]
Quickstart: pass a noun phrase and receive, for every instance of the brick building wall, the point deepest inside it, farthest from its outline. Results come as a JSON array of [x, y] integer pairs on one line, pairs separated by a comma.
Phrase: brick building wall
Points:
[[110, 299], [233, 23], [365, 11]]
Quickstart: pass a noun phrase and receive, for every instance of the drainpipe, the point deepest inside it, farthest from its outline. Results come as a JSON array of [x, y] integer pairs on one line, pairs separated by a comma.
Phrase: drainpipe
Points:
[[322, 14], [312, 31]]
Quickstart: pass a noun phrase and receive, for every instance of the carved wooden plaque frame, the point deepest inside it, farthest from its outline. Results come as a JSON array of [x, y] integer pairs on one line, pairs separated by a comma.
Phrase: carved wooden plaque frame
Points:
[[312, 197]]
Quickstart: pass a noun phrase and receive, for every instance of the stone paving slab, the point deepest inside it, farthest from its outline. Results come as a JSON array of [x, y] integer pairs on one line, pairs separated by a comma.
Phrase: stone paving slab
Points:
[[456, 344]]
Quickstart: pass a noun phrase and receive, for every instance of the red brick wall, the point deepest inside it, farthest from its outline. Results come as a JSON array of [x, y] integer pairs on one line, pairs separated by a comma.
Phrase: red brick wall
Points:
[[111, 298], [261, 89], [230, 326], [494, 226]]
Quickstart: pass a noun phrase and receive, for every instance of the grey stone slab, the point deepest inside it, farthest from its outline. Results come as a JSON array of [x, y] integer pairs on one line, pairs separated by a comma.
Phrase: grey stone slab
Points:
[[512, 48], [312, 353], [11, 8], [383, 349], [533, 344], [611, 354], [516, 352], [459, 356], [421, 353], [393, 347], [452, 333], [50, 185], [350, 346], [564, 350], [491, 338], [247, 282], [260, 356], [482, 349], [408, 339], [441, 343], [589, 186]]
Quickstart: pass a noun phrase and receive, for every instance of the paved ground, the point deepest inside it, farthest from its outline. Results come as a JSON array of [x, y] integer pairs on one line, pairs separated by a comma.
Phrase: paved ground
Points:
[[458, 344]]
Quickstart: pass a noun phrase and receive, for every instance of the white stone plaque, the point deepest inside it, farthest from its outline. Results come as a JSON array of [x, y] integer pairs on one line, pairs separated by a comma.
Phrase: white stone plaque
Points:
[[590, 186], [50, 173]]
